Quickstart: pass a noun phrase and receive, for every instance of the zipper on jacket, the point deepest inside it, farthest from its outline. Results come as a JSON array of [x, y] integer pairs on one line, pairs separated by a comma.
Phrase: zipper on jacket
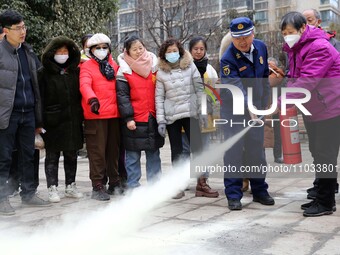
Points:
[[23, 79]]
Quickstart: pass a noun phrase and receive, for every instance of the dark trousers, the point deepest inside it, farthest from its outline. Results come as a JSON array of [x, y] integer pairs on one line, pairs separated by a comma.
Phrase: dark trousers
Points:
[[277, 150], [20, 134], [193, 133], [102, 143], [52, 167], [14, 178], [324, 142], [248, 151]]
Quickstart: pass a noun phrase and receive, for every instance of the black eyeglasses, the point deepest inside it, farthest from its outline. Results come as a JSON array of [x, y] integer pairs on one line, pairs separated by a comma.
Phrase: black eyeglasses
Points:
[[18, 29], [104, 48]]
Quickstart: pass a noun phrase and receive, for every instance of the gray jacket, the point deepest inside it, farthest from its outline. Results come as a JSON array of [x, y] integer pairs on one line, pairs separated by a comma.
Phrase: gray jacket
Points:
[[9, 69], [178, 91]]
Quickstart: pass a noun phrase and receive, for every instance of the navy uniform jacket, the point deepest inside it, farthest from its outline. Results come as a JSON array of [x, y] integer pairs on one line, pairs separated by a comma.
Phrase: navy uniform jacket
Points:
[[236, 69]]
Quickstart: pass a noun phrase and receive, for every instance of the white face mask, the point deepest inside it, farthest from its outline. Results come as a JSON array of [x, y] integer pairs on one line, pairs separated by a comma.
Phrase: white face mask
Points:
[[291, 40], [60, 59], [101, 53]]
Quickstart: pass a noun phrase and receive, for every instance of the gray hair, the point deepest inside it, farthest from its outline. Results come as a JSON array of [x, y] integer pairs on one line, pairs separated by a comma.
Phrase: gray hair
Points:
[[317, 14], [273, 60]]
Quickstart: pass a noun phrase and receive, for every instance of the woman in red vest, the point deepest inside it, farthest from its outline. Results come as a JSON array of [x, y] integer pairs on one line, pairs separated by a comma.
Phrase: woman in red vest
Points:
[[136, 80]]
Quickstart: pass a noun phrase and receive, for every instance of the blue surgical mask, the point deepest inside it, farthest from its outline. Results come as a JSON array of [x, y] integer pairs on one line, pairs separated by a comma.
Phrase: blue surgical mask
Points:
[[172, 57]]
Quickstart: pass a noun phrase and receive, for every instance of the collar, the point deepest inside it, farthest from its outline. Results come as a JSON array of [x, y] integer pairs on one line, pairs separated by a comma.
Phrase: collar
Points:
[[250, 54]]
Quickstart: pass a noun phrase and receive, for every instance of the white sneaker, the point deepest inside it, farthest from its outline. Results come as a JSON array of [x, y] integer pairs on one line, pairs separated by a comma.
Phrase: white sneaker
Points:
[[53, 195], [72, 191]]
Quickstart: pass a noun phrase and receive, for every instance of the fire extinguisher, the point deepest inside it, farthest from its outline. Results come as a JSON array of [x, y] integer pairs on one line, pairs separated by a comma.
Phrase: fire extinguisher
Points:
[[289, 127]]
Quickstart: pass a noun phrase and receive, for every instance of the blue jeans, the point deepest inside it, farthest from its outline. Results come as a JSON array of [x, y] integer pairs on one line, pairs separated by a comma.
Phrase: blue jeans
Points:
[[20, 132], [133, 168]]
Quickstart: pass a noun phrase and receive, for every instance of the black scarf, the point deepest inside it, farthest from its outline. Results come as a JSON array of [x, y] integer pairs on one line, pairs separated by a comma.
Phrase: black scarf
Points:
[[202, 65], [105, 67]]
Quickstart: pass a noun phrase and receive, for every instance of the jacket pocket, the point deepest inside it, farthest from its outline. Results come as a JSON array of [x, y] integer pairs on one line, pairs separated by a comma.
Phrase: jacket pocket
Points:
[[52, 115]]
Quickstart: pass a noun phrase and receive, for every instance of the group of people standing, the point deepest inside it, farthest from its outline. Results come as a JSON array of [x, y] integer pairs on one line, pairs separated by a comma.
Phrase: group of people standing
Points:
[[131, 105], [313, 64], [89, 95]]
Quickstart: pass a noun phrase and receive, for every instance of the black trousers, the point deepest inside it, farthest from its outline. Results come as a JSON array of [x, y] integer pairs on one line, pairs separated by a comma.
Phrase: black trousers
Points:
[[52, 167], [277, 150], [324, 142], [193, 133]]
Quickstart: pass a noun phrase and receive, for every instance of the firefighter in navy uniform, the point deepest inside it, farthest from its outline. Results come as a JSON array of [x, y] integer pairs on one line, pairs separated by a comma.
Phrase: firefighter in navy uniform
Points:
[[244, 64]]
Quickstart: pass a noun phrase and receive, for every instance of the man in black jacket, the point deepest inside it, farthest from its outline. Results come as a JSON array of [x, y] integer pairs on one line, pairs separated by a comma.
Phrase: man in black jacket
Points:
[[20, 109]]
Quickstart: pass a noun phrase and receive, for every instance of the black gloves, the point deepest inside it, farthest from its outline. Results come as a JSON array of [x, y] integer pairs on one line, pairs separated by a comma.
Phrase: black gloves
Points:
[[94, 103]]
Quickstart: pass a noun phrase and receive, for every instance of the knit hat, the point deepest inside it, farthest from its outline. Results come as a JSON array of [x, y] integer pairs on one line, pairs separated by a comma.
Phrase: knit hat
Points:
[[98, 39]]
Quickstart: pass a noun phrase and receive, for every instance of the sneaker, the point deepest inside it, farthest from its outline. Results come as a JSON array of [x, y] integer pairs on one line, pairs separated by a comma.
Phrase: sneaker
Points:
[[6, 208], [53, 195], [307, 205], [234, 204], [72, 191], [99, 193], [36, 201], [317, 209]]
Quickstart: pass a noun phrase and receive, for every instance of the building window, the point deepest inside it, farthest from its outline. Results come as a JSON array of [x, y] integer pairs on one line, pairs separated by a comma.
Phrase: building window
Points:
[[239, 3], [261, 16], [335, 3], [329, 17], [261, 6], [127, 4], [127, 20]]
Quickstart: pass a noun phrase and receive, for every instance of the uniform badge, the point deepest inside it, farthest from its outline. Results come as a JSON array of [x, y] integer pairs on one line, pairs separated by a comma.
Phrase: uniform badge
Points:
[[261, 60], [226, 70], [238, 55], [242, 68], [240, 26]]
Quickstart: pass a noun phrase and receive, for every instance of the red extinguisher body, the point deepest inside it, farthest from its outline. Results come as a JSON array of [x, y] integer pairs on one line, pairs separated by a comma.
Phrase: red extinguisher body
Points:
[[290, 137]]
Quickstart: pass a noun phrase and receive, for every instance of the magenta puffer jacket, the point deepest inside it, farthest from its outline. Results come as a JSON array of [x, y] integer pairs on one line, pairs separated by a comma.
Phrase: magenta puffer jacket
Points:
[[314, 64]]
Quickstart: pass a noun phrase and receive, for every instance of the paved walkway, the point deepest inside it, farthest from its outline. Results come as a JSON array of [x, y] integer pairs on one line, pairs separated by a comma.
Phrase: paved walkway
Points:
[[150, 222]]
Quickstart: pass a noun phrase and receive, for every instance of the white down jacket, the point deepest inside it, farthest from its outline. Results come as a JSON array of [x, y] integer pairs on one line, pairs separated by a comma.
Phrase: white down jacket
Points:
[[178, 91]]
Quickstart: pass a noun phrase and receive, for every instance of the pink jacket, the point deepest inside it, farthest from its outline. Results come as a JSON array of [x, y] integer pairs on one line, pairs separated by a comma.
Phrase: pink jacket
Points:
[[94, 84], [314, 64]]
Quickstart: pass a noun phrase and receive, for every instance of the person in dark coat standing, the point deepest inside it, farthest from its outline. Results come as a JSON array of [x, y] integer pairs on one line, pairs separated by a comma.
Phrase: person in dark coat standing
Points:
[[136, 81], [62, 113], [244, 65]]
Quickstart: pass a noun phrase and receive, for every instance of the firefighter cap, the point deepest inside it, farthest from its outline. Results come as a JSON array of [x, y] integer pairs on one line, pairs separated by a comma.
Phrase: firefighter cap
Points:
[[241, 26]]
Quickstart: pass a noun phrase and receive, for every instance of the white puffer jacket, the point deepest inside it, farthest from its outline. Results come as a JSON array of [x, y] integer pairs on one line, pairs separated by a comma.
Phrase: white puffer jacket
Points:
[[178, 91]]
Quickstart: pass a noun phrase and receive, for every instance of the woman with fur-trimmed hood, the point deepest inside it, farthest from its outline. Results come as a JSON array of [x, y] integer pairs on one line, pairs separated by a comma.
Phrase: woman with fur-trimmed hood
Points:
[[62, 113], [179, 89]]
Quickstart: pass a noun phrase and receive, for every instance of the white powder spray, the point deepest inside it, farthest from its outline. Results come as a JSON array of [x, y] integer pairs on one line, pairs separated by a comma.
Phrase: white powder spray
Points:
[[109, 230]]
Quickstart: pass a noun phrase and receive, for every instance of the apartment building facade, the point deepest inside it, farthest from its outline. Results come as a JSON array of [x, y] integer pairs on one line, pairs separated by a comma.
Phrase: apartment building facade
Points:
[[154, 21]]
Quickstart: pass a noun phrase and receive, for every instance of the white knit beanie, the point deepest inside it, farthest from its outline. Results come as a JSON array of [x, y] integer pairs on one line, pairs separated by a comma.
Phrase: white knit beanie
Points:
[[98, 39]]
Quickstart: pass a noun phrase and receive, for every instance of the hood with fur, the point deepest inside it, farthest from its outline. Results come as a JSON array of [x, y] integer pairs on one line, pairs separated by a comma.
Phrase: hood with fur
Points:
[[184, 62], [47, 58]]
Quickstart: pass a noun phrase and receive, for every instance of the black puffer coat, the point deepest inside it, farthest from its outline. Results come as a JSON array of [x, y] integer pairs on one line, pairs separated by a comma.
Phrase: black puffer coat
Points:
[[59, 88]]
